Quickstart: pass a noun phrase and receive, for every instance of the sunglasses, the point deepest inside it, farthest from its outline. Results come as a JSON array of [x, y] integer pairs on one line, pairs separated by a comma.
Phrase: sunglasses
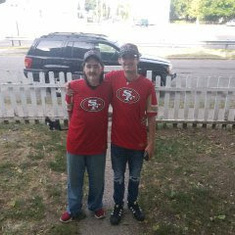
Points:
[[129, 56]]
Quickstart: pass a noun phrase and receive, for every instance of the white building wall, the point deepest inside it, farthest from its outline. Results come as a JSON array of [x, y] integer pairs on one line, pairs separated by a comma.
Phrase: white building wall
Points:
[[33, 17]]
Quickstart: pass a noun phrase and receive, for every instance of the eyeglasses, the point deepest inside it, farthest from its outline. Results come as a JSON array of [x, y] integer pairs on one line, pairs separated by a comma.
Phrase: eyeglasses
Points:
[[130, 57]]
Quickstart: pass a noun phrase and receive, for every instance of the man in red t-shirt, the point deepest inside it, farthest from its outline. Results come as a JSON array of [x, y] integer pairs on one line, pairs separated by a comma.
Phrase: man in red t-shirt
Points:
[[134, 105], [87, 138], [134, 108]]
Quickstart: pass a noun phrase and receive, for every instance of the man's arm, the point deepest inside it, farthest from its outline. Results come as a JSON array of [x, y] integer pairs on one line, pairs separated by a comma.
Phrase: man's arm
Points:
[[151, 114], [151, 136], [69, 99]]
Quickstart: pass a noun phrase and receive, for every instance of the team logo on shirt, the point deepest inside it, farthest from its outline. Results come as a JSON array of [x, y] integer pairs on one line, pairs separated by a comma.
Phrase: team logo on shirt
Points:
[[93, 104], [127, 95]]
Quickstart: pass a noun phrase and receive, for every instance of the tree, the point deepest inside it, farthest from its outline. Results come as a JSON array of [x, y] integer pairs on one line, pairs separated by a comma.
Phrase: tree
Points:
[[182, 9], [90, 5], [208, 10], [194, 9], [215, 10]]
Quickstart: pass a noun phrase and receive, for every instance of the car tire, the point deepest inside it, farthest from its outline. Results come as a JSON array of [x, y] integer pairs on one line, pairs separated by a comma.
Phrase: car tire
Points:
[[163, 77]]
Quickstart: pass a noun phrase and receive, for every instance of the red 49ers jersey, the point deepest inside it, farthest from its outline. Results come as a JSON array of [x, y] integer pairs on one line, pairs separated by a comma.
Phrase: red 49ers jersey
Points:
[[130, 112], [87, 133]]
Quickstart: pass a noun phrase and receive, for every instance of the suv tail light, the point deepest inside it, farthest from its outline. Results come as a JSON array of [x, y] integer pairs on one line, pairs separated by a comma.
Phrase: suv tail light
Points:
[[28, 62]]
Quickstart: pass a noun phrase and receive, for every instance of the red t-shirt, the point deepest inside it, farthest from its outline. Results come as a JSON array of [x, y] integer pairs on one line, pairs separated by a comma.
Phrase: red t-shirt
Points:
[[129, 103], [87, 133]]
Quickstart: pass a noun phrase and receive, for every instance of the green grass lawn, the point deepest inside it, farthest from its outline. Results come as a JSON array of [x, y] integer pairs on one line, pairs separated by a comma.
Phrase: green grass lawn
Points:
[[187, 188], [33, 180]]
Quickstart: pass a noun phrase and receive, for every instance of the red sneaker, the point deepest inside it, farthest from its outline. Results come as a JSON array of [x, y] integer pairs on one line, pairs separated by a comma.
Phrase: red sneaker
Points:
[[100, 214], [66, 218]]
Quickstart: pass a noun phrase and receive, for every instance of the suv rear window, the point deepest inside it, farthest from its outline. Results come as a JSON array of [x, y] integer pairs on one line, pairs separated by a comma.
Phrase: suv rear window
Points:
[[49, 48], [108, 52], [77, 49]]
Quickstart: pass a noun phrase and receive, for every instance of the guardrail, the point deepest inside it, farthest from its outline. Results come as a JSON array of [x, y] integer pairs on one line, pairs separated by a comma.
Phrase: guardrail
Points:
[[225, 43], [17, 39]]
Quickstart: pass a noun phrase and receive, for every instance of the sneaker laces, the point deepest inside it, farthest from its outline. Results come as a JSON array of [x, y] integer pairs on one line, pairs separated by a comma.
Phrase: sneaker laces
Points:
[[135, 208], [117, 211]]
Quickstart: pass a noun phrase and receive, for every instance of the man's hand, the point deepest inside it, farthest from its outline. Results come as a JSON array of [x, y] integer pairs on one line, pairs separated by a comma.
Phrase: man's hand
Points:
[[150, 150], [151, 136], [69, 91]]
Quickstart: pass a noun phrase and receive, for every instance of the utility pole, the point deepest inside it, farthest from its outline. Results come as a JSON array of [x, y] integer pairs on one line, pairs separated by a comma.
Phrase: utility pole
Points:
[[14, 7]]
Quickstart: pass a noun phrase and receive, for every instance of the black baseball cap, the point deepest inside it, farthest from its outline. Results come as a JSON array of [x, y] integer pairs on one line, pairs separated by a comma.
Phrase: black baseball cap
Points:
[[129, 49], [94, 54]]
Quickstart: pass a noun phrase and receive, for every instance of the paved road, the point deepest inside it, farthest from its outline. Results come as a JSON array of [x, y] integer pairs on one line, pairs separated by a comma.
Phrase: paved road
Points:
[[11, 68], [12, 61]]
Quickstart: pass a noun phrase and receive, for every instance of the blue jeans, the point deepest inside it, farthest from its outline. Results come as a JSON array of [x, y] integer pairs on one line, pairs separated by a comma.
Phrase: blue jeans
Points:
[[120, 158], [76, 166]]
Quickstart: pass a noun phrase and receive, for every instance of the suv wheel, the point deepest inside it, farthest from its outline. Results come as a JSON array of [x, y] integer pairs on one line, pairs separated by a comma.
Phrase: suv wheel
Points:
[[162, 77]]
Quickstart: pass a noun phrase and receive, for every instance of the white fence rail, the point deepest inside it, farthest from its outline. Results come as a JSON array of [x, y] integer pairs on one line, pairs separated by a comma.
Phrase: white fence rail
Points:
[[197, 100], [33, 101], [183, 100]]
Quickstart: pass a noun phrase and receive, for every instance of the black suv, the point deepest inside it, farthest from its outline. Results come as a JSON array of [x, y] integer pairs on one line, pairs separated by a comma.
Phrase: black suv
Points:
[[63, 52]]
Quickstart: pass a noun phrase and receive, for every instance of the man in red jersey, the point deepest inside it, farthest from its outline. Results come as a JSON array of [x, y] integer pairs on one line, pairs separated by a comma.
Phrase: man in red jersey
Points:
[[134, 105], [87, 138], [134, 108]]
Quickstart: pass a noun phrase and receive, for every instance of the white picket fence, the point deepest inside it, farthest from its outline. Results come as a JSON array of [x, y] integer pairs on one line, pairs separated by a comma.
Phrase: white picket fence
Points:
[[209, 100], [183, 100], [33, 101]]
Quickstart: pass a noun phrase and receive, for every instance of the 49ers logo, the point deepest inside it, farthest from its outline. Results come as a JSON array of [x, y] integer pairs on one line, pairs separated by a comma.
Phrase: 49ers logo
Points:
[[127, 95], [92, 104]]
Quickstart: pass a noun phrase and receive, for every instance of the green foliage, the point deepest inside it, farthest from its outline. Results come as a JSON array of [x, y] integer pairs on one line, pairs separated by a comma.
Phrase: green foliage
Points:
[[207, 10], [90, 5], [180, 8], [214, 10]]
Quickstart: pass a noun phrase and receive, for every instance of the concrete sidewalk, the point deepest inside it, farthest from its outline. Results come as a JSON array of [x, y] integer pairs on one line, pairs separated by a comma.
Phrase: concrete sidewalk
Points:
[[92, 226]]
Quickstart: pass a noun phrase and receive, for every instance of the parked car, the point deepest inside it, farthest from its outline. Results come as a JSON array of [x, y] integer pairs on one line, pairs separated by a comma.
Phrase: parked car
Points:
[[231, 23], [143, 22], [63, 52]]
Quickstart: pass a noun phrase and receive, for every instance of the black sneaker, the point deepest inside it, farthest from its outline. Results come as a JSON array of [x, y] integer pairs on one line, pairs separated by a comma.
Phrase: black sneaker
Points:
[[116, 214], [136, 211]]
